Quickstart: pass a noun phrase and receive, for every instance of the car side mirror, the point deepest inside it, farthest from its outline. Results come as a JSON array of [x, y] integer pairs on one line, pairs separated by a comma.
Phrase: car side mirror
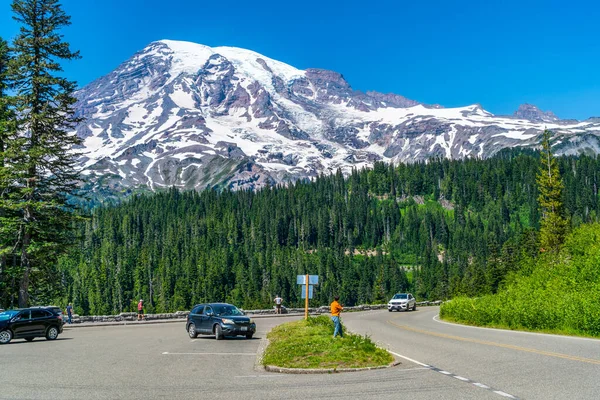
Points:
[[209, 314]]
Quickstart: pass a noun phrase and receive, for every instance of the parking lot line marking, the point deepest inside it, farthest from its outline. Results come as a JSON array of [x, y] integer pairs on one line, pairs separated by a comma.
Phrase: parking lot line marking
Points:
[[209, 354], [501, 345]]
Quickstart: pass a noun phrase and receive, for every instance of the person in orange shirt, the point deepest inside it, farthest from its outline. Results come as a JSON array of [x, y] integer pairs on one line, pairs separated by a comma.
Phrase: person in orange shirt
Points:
[[336, 309]]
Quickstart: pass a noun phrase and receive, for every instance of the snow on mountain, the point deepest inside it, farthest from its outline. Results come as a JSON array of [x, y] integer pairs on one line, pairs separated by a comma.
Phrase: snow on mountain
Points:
[[532, 113], [187, 115]]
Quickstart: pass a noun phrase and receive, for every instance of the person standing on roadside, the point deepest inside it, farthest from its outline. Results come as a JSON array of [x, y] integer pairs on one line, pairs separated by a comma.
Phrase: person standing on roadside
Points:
[[278, 301], [140, 310], [336, 309], [70, 313]]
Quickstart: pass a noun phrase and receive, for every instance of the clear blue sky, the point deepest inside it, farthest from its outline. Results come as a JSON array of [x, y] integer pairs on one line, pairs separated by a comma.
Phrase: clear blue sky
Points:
[[453, 53]]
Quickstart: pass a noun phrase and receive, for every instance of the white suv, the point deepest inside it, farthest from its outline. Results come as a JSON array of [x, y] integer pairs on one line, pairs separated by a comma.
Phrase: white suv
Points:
[[402, 301]]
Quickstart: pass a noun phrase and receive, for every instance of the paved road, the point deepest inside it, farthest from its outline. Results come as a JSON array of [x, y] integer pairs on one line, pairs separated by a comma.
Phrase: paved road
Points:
[[159, 361], [525, 365]]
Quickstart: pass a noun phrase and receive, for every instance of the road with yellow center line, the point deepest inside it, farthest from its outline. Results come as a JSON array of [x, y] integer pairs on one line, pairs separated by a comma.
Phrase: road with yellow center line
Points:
[[512, 364], [495, 344]]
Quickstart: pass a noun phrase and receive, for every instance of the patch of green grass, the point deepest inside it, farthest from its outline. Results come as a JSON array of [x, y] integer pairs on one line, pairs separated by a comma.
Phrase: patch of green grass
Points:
[[310, 344]]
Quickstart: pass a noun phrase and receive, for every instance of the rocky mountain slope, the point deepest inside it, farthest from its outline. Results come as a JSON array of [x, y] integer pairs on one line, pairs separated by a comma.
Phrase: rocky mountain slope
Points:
[[187, 115]]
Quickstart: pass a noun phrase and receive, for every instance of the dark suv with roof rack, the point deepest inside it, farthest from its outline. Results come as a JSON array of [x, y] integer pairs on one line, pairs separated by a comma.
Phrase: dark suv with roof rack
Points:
[[219, 319], [29, 323]]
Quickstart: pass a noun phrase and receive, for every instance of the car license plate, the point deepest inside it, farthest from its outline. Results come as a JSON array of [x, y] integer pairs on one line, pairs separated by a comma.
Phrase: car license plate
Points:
[[244, 328]]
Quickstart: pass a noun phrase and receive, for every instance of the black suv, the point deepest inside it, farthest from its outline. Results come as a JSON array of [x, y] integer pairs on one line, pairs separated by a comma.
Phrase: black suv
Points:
[[219, 319], [55, 309], [29, 323]]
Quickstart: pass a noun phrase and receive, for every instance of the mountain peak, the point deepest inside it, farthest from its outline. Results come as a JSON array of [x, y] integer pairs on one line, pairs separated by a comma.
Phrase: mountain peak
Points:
[[532, 113], [193, 116], [191, 56]]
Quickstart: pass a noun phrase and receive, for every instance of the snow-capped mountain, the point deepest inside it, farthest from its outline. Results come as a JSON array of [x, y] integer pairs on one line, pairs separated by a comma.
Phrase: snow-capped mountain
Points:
[[187, 115]]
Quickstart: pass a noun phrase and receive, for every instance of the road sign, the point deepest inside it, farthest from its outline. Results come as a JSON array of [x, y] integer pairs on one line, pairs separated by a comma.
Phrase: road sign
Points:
[[303, 291], [312, 279]]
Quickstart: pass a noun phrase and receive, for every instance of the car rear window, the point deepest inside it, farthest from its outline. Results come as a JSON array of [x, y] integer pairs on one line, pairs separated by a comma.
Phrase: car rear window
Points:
[[39, 314]]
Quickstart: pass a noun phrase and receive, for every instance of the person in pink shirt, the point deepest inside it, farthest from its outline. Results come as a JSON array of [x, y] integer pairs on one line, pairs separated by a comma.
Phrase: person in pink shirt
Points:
[[141, 310]]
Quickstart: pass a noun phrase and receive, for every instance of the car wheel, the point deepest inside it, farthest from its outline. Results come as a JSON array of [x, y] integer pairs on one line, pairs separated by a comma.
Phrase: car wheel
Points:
[[192, 331], [5, 337], [389, 309], [52, 333], [218, 332], [415, 307], [249, 335], [29, 339]]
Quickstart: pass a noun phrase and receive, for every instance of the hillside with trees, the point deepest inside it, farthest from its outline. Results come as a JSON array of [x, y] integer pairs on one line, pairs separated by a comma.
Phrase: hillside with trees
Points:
[[556, 291], [440, 229]]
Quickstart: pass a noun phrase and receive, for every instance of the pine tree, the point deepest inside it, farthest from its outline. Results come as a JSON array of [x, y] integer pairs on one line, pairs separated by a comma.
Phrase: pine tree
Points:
[[6, 218], [5, 112], [553, 225], [42, 159]]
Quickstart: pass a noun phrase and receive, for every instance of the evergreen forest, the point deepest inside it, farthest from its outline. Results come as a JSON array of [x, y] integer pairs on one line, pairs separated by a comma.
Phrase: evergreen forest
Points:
[[440, 229]]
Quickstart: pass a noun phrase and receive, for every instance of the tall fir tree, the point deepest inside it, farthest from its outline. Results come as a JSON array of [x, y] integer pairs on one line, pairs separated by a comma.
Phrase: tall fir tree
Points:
[[6, 118], [553, 224], [42, 159]]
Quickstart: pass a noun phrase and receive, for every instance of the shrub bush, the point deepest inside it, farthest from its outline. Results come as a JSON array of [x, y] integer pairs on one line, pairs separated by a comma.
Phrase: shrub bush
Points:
[[561, 294]]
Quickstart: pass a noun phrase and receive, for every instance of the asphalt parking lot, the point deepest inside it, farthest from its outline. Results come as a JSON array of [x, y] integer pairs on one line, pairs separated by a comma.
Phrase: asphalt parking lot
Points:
[[159, 361], [123, 361]]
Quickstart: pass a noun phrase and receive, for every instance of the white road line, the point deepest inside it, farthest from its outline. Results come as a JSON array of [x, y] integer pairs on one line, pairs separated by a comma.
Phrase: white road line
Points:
[[409, 359], [501, 393], [481, 385], [436, 318], [210, 354]]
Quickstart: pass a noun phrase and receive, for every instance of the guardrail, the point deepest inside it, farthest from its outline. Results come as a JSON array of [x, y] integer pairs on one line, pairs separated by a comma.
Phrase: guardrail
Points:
[[132, 316]]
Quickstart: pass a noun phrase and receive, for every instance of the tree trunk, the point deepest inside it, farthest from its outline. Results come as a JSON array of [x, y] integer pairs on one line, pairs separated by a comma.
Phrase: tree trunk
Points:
[[25, 264]]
